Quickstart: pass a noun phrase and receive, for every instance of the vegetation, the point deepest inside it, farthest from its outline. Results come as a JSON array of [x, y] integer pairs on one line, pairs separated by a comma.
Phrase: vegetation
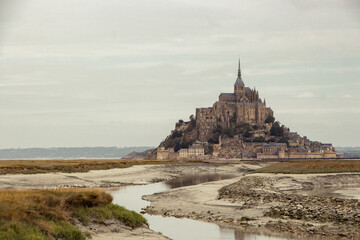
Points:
[[130, 218], [45, 166], [270, 119], [179, 123], [259, 139], [284, 140], [277, 130], [48, 214], [312, 166]]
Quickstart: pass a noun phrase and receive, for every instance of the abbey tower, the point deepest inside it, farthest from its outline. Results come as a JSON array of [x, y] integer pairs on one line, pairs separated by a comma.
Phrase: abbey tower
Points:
[[242, 106]]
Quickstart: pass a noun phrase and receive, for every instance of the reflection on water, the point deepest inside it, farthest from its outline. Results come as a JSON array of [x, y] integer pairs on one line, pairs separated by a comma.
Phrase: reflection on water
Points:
[[194, 179], [176, 228]]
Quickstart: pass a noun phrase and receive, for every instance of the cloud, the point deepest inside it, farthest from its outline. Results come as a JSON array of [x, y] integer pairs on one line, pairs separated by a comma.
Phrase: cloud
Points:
[[347, 96], [305, 95]]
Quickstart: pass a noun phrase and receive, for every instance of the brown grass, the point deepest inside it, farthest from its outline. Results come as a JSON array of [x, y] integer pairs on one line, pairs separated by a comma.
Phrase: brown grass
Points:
[[44, 166], [56, 205], [46, 214], [313, 166]]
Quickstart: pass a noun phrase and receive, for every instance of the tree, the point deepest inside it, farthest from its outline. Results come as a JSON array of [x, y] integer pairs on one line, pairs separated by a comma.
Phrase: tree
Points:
[[277, 130], [284, 140], [270, 119]]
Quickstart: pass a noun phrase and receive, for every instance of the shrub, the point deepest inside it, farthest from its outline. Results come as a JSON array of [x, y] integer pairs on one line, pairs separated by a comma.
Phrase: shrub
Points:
[[214, 139], [229, 132], [247, 134], [259, 139], [176, 134], [20, 230], [179, 123], [66, 231]]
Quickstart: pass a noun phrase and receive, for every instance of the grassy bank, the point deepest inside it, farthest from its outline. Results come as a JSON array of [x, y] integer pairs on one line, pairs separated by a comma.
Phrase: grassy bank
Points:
[[312, 166], [45, 166], [50, 214]]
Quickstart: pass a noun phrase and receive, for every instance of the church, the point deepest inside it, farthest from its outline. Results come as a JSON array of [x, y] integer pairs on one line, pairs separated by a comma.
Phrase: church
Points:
[[242, 106]]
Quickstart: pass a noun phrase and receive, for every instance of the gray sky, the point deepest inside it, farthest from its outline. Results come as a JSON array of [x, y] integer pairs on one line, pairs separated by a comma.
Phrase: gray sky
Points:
[[121, 73]]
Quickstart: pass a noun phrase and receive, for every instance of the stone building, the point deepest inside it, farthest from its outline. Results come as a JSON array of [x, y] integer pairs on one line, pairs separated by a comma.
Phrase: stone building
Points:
[[195, 150], [243, 105]]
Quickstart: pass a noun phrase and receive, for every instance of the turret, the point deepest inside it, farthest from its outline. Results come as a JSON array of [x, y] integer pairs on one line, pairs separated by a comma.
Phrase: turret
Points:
[[239, 86]]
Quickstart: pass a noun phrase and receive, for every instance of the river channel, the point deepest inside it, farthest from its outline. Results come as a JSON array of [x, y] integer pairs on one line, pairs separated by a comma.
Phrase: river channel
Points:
[[176, 228]]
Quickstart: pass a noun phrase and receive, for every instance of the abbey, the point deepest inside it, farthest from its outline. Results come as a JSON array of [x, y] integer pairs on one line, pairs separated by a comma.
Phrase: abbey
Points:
[[242, 106], [238, 126]]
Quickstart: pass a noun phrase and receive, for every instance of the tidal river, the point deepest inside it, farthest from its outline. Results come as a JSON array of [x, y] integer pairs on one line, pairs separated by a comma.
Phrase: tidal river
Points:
[[176, 228]]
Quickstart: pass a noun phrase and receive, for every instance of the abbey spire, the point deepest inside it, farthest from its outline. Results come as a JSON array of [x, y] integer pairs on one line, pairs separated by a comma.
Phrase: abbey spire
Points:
[[239, 80]]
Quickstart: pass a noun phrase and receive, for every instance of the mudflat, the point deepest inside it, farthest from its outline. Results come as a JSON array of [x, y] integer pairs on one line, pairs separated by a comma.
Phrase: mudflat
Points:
[[295, 205]]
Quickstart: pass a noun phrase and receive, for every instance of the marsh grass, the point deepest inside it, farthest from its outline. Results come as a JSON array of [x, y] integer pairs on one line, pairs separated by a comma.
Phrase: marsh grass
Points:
[[312, 166], [49, 214], [109, 211], [68, 166]]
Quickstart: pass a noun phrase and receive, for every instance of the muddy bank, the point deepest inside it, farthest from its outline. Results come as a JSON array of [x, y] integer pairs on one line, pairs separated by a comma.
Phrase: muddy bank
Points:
[[113, 229], [140, 174], [267, 203]]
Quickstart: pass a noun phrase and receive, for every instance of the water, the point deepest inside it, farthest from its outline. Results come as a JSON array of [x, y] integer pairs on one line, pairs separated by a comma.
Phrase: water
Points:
[[176, 228]]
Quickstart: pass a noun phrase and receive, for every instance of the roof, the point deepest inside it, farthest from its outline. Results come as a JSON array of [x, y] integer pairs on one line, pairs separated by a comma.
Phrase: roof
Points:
[[275, 145], [239, 81], [251, 104], [227, 94]]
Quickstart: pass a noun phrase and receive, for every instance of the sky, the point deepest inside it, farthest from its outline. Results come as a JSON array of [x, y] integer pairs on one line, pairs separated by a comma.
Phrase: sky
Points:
[[121, 73]]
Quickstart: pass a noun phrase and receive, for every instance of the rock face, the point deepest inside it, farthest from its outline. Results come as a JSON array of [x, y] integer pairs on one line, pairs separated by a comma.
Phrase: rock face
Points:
[[239, 125]]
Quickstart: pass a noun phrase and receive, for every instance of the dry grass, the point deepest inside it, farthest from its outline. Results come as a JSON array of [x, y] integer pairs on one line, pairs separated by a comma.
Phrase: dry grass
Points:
[[35, 205], [49, 214], [313, 166], [44, 166]]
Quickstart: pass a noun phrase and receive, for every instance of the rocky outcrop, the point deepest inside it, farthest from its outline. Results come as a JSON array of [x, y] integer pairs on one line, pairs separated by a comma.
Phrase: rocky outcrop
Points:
[[327, 216]]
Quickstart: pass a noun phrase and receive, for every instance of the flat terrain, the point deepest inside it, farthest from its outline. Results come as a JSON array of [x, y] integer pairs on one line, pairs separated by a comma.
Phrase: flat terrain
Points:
[[68, 166], [312, 166], [275, 204]]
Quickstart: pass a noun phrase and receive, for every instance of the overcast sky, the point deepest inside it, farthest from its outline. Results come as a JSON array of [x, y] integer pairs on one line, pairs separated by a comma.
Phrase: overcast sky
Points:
[[121, 73]]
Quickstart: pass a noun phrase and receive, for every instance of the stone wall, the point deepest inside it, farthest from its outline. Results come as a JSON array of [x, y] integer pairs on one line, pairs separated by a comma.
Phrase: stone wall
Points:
[[205, 123]]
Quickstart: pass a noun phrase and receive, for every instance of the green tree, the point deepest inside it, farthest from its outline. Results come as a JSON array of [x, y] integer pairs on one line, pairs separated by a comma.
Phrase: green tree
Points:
[[270, 119], [277, 130]]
